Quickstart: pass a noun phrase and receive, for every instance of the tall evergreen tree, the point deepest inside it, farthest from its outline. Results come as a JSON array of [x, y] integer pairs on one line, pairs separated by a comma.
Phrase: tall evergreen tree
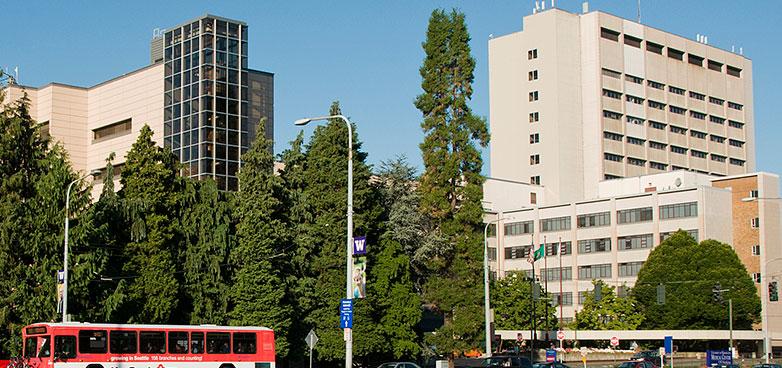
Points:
[[258, 293], [450, 187]]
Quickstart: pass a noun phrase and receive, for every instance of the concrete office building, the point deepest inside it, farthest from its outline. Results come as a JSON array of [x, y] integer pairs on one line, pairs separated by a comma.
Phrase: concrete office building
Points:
[[198, 95], [579, 98]]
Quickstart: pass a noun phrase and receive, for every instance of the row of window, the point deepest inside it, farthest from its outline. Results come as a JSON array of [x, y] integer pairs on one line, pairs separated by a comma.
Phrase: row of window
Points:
[[675, 149], [672, 53], [661, 126], [660, 86]]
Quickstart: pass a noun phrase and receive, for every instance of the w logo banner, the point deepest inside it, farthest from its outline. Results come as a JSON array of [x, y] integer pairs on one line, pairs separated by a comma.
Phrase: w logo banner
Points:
[[359, 245]]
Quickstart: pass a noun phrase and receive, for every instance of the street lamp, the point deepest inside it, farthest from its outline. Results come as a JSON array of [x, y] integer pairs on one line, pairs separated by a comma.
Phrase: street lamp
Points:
[[92, 173], [486, 305], [349, 248], [764, 290]]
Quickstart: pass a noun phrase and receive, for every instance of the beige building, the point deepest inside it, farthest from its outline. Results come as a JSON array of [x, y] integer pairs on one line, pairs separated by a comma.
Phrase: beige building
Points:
[[198, 96], [579, 98]]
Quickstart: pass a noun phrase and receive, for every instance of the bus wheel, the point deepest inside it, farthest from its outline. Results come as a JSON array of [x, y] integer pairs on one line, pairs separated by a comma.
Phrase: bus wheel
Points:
[[94, 366], [222, 366]]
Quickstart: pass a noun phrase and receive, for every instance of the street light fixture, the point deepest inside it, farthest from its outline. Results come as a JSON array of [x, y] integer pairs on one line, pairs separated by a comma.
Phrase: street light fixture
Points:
[[486, 305], [349, 248], [93, 173]]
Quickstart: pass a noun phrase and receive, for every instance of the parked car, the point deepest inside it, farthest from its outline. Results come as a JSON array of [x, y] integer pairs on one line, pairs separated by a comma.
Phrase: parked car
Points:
[[637, 364], [767, 365], [506, 361], [399, 365], [550, 365]]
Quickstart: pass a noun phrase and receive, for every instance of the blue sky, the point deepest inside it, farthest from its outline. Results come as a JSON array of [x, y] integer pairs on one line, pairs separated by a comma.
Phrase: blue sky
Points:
[[366, 54]]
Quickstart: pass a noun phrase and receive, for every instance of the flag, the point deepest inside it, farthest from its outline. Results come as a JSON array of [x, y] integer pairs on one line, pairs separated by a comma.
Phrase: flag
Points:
[[562, 247], [535, 255]]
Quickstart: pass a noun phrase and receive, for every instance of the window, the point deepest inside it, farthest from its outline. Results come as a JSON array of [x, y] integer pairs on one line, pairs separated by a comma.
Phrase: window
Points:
[[677, 110], [564, 298], [609, 34], [533, 198], [65, 346], [735, 143], [552, 248], [697, 96], [678, 130], [736, 124], [718, 158], [534, 180], [633, 215], [492, 253], [31, 347], [534, 159], [635, 120], [533, 96], [695, 60], [679, 210], [698, 154], [716, 101], [518, 252], [676, 90], [657, 145], [636, 161], [656, 125], [656, 85], [698, 115], [736, 72], [152, 342], [634, 242], [716, 119], [610, 177], [552, 274], [666, 235], [534, 117], [612, 157], [653, 47], [632, 41], [634, 79], [43, 130], [612, 115], [679, 150], [532, 54], [123, 342], [534, 138], [630, 269], [756, 277], [177, 342], [594, 220], [594, 245], [518, 228], [753, 193], [196, 342], [600, 271], [656, 105], [636, 141], [533, 75], [92, 342], [756, 250], [611, 73], [697, 134], [755, 223], [675, 54], [112, 131], [612, 136], [713, 65], [244, 343], [218, 343], [658, 166], [612, 94], [555, 224], [635, 100], [737, 162], [735, 106]]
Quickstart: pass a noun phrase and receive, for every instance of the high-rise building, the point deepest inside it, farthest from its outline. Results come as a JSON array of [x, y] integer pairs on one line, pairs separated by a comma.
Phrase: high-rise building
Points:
[[580, 98], [198, 95]]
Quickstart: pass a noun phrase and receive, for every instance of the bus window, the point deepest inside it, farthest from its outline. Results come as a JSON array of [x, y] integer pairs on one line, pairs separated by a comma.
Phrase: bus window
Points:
[[177, 342], [122, 342], [46, 347], [30, 347], [218, 343], [92, 342], [197, 342], [153, 342], [65, 347], [244, 343]]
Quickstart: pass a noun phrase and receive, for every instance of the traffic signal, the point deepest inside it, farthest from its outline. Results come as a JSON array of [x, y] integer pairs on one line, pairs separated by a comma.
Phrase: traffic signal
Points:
[[535, 291], [661, 294], [598, 292], [716, 293], [773, 291]]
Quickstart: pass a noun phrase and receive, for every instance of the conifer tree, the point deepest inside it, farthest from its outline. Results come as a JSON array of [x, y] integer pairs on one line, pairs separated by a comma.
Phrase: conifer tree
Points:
[[450, 187]]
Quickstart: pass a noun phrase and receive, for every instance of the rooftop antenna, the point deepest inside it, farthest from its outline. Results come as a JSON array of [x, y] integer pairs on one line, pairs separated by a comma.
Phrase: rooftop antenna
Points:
[[639, 11], [16, 72]]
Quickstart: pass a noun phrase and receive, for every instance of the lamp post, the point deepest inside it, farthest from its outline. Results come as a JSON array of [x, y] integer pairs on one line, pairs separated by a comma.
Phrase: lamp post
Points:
[[92, 173], [764, 290], [349, 248], [486, 305]]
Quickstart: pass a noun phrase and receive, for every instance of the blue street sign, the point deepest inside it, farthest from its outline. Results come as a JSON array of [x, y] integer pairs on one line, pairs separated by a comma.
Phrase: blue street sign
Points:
[[359, 245], [551, 355], [718, 357], [668, 344], [346, 313]]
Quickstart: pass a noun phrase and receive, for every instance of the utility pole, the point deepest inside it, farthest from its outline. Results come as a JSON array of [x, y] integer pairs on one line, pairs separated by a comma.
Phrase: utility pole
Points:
[[730, 324]]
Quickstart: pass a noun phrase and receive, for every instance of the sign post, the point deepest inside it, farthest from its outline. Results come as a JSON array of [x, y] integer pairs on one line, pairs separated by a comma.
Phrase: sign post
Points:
[[311, 340], [614, 341], [551, 355], [719, 357], [346, 314], [669, 347]]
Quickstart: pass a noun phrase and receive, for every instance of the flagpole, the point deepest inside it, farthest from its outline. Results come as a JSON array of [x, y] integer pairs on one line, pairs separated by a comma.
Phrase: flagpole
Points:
[[561, 294], [545, 287], [532, 295]]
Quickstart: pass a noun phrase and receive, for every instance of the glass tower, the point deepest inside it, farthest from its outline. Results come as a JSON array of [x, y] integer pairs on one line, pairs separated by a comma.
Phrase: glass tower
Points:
[[206, 118]]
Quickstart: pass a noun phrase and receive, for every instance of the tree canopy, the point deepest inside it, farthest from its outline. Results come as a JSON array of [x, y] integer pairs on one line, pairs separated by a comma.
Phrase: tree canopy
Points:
[[611, 312]]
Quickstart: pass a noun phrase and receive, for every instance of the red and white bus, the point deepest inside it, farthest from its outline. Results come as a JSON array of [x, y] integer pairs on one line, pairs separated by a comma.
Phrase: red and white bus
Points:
[[85, 345]]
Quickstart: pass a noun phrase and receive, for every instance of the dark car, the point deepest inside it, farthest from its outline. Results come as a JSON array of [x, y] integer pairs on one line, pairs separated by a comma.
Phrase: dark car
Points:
[[503, 361], [651, 356], [550, 365], [398, 365], [767, 365], [637, 364]]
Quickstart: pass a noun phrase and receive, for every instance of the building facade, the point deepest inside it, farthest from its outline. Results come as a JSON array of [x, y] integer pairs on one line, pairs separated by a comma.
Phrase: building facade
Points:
[[579, 98], [198, 96]]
